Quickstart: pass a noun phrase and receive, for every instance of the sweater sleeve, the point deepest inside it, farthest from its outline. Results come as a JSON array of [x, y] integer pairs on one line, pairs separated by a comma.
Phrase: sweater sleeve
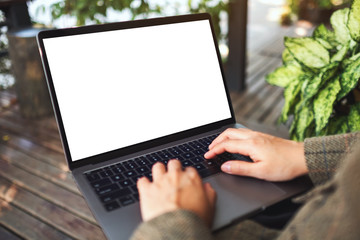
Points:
[[179, 224], [183, 224], [325, 154]]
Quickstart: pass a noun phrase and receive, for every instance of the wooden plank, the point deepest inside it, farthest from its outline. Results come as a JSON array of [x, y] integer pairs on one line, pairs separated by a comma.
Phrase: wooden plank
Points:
[[278, 131], [272, 118], [47, 190], [47, 124], [274, 50], [38, 168], [255, 87], [26, 226], [256, 67], [7, 234], [30, 148], [49, 213], [265, 105], [34, 134], [255, 102], [41, 127], [256, 83]]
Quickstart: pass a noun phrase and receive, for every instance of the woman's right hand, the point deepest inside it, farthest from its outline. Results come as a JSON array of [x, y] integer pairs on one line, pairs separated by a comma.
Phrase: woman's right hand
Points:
[[274, 159]]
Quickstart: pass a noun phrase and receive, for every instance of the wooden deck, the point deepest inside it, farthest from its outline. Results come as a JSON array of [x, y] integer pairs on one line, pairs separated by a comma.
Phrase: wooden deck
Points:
[[38, 197]]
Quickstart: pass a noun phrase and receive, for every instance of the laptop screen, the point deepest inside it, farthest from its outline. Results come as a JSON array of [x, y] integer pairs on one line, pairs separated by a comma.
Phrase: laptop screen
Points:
[[122, 87]]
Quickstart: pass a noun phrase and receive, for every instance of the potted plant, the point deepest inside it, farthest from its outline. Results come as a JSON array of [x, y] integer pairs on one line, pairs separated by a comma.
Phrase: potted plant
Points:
[[315, 11], [320, 76]]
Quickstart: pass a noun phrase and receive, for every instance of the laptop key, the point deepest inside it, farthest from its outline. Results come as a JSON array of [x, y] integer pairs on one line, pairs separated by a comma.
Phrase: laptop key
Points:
[[186, 148], [117, 177], [107, 189], [187, 155], [149, 176], [197, 159], [115, 195], [143, 162], [209, 163], [175, 151], [112, 206], [186, 163], [126, 201], [106, 173], [134, 188], [165, 155], [125, 183], [165, 162], [130, 165], [118, 168], [92, 177], [130, 173], [142, 170], [200, 151], [199, 167], [197, 145], [101, 183], [136, 178]]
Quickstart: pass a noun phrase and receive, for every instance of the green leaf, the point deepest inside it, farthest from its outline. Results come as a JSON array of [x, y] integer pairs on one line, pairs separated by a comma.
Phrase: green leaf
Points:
[[323, 104], [354, 118], [338, 22], [304, 117], [340, 55], [321, 32], [324, 43], [347, 61], [350, 77], [353, 23], [312, 85], [337, 125], [308, 52], [291, 93], [288, 58], [283, 75]]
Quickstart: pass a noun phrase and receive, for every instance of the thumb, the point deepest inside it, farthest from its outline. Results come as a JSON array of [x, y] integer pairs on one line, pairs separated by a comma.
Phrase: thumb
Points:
[[211, 196], [210, 193], [240, 168]]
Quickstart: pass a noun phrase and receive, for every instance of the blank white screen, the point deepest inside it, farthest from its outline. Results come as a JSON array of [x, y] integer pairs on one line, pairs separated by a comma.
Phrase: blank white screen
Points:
[[123, 87]]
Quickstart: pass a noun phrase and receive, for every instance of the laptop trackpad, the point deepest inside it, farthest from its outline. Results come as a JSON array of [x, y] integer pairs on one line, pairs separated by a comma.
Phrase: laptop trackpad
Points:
[[238, 196]]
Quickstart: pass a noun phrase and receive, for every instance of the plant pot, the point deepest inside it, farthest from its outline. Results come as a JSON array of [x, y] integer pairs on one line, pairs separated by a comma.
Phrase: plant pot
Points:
[[316, 15]]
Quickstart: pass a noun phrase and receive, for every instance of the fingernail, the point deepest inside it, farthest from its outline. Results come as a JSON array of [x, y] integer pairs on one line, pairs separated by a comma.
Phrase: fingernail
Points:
[[226, 167]]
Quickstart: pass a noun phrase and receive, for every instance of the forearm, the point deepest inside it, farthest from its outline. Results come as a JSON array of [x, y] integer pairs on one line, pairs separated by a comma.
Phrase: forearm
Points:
[[179, 224], [325, 154]]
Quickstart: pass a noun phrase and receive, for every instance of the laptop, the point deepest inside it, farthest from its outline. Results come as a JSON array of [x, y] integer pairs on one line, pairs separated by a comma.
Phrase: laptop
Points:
[[129, 94]]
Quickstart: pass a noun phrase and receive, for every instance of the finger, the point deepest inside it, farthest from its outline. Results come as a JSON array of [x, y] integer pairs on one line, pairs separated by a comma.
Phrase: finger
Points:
[[158, 170], [192, 173], [222, 137], [232, 146], [142, 184], [231, 133], [174, 165], [242, 168]]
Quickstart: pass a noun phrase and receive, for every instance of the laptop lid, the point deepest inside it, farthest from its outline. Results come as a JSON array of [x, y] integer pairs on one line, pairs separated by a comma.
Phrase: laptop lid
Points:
[[107, 81]]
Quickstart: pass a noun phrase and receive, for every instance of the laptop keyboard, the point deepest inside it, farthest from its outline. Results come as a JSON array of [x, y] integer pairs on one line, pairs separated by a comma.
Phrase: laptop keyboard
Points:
[[115, 184]]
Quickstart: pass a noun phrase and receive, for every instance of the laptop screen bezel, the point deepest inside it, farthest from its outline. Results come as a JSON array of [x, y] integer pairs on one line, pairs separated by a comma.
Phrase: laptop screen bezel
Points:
[[119, 26]]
